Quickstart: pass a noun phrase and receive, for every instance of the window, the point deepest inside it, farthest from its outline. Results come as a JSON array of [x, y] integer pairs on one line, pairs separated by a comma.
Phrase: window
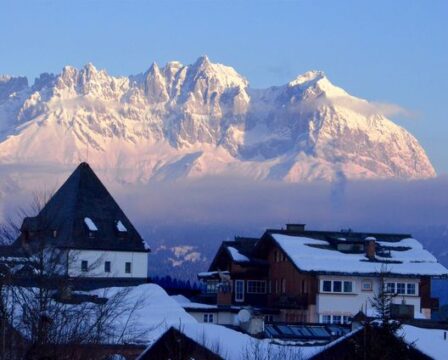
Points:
[[107, 266], [366, 285], [390, 288], [283, 286], [128, 268], [84, 266], [239, 290], [337, 286], [224, 287], [276, 287], [269, 287], [326, 286], [256, 287], [304, 287], [212, 286], [337, 319], [411, 289], [208, 318], [401, 288]]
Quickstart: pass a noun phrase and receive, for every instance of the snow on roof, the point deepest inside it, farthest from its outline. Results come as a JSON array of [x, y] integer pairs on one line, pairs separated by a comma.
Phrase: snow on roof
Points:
[[428, 341], [90, 224], [155, 311], [236, 255], [188, 304], [234, 345], [205, 274], [145, 310], [312, 255], [121, 227]]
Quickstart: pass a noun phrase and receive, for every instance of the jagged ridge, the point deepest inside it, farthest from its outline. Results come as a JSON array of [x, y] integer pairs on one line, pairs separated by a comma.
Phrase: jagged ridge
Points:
[[193, 120]]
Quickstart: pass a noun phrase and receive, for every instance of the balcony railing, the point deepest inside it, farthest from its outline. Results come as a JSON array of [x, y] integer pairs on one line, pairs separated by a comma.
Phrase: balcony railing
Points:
[[290, 302]]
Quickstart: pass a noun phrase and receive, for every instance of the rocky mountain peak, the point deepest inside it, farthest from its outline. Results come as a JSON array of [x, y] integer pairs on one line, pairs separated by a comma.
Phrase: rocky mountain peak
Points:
[[202, 119], [10, 85]]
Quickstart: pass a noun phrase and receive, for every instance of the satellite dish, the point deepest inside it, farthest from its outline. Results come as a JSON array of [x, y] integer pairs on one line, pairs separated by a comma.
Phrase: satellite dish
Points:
[[244, 315]]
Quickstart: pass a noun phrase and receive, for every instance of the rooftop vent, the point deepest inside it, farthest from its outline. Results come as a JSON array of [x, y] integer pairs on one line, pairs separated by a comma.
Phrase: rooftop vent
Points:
[[295, 227]]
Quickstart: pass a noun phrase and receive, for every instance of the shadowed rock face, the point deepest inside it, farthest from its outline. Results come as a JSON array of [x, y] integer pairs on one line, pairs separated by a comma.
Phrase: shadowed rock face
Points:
[[194, 120]]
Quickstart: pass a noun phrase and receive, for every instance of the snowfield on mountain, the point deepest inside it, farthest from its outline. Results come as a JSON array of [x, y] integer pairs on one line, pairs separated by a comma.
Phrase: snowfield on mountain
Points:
[[189, 121]]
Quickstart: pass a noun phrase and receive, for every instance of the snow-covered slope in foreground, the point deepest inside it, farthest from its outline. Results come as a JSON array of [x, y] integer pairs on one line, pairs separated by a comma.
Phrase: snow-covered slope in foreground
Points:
[[202, 119]]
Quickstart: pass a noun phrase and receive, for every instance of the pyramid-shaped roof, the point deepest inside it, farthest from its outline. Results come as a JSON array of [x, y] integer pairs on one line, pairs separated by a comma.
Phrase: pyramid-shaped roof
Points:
[[82, 214]]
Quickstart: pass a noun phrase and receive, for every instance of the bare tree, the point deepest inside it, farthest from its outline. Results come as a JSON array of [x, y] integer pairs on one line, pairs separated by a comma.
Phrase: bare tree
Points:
[[39, 305], [266, 350]]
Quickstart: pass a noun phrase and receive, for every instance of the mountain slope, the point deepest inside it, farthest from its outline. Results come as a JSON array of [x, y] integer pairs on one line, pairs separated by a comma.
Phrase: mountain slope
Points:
[[201, 119]]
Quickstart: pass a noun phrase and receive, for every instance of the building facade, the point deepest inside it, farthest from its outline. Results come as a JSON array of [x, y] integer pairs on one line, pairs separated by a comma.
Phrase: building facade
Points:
[[323, 276]]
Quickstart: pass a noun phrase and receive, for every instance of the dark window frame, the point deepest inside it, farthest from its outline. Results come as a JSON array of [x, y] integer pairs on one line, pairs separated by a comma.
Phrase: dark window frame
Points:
[[337, 284], [239, 291], [256, 286], [326, 286], [346, 288], [84, 266]]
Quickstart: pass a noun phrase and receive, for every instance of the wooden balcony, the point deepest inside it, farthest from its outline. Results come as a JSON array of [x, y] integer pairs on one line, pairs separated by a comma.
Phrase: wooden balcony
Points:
[[430, 303]]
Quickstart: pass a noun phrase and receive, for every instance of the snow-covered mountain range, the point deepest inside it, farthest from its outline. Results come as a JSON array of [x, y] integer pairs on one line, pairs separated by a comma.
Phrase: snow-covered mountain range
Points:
[[201, 119]]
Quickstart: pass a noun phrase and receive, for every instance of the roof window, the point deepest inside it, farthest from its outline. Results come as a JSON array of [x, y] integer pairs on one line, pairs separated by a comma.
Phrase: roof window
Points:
[[90, 224], [121, 227]]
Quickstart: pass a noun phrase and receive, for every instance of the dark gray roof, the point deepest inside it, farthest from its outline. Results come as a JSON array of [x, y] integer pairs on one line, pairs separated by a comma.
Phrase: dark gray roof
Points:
[[62, 220], [245, 246]]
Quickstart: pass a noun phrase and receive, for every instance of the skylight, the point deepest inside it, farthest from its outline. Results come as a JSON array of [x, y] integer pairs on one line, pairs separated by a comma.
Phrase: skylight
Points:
[[121, 227], [90, 224]]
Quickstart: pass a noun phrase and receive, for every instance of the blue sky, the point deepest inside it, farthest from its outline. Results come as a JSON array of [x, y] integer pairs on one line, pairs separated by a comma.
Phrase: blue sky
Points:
[[387, 51]]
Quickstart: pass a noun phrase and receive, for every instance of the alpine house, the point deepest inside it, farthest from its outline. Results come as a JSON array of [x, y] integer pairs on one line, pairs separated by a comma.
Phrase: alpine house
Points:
[[324, 276], [84, 231]]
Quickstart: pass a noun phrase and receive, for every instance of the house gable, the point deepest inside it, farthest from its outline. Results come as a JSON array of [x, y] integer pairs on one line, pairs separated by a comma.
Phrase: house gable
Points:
[[82, 214]]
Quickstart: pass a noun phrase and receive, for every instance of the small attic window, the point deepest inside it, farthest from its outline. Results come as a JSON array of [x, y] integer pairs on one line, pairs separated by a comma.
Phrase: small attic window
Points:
[[90, 224], [121, 227]]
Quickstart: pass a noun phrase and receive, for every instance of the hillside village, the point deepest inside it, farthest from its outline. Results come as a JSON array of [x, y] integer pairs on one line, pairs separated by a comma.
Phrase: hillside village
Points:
[[75, 285]]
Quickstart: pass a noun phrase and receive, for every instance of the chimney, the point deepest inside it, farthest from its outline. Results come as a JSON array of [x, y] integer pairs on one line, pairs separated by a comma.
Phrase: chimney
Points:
[[295, 227], [370, 247]]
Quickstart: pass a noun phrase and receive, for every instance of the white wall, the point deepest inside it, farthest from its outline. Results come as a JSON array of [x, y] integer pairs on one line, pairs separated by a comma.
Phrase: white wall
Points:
[[221, 318], [96, 260], [350, 303]]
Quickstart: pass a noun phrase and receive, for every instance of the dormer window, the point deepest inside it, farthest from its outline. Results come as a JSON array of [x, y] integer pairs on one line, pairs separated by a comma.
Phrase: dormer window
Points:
[[120, 227], [90, 226]]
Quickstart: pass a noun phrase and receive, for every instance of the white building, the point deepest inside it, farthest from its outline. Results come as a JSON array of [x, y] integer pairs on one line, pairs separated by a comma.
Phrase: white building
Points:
[[83, 229]]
